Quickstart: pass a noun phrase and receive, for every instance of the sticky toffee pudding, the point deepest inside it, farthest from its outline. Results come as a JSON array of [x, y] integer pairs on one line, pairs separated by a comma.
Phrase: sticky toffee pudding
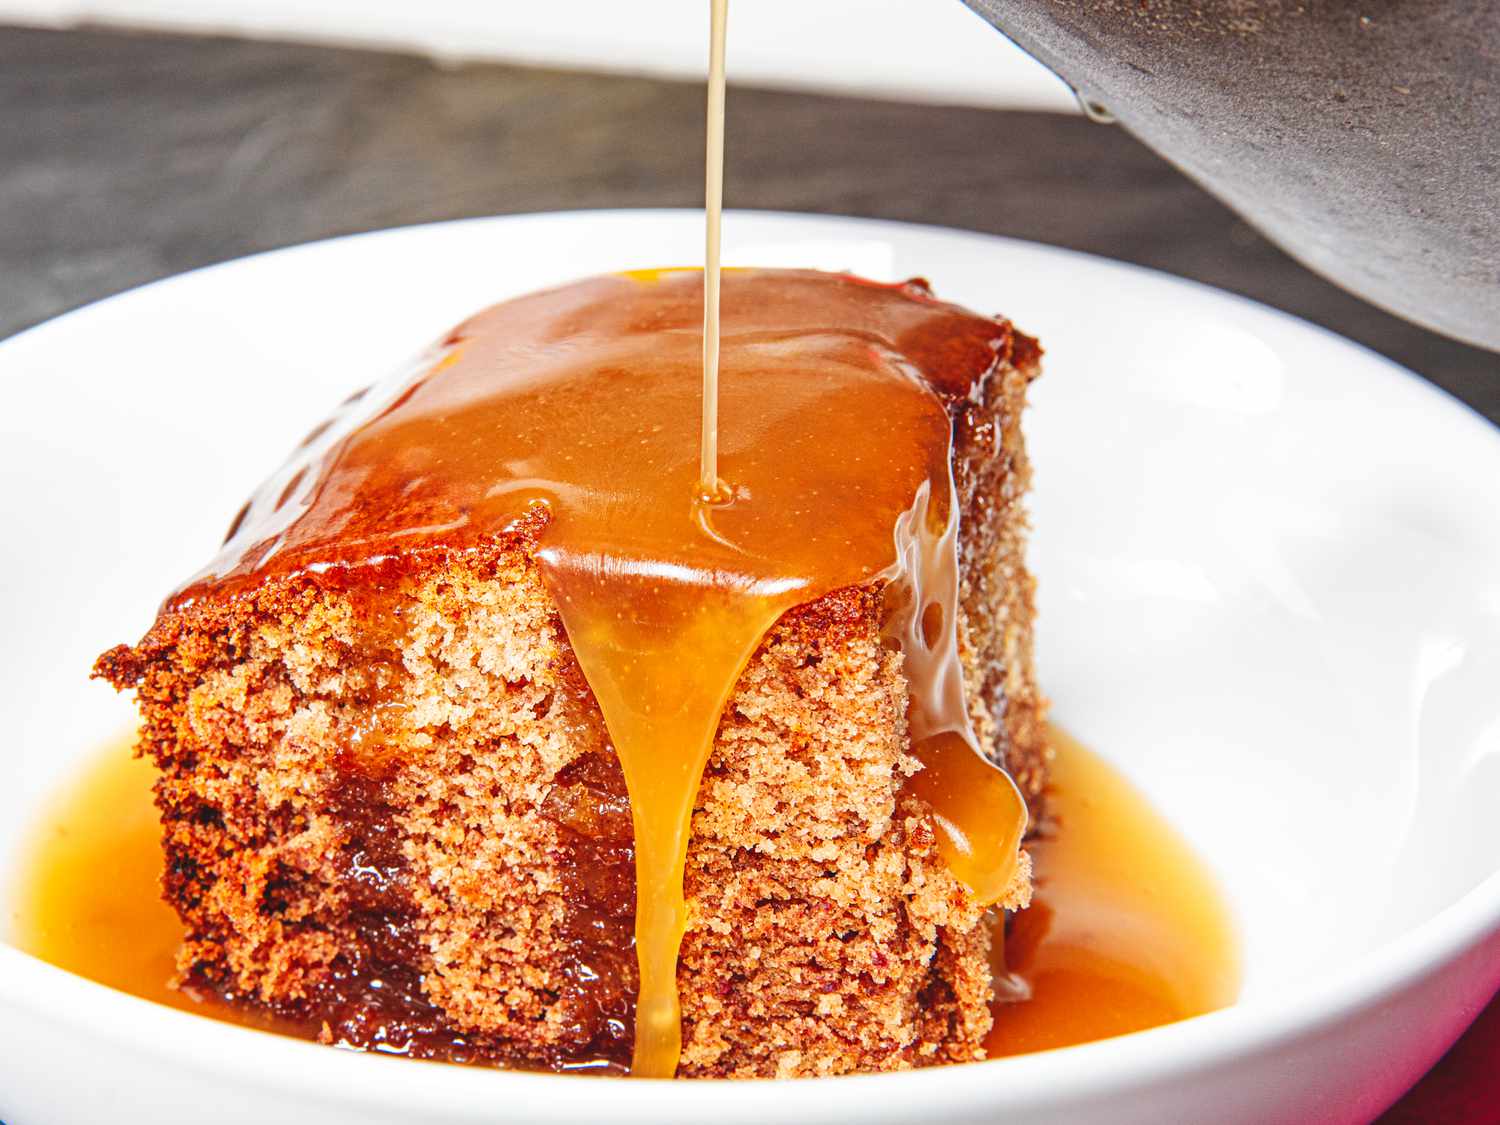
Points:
[[484, 699]]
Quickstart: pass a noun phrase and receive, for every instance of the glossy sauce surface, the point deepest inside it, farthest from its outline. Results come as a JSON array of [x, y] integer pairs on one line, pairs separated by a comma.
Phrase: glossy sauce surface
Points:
[[1128, 930], [569, 420]]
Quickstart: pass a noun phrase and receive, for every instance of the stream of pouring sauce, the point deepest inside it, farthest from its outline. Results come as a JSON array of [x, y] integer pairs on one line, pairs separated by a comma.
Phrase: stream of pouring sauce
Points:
[[710, 488], [568, 419], [1127, 930]]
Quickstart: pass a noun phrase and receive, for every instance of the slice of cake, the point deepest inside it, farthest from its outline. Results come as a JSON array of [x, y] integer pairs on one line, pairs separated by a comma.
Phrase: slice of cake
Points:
[[474, 663]]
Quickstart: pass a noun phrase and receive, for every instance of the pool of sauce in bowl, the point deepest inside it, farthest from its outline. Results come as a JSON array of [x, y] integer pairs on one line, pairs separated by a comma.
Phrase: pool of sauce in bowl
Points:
[[90, 901], [1127, 931]]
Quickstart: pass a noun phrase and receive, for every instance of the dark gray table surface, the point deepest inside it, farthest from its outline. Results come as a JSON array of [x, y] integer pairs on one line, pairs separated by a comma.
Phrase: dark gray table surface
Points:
[[124, 158]]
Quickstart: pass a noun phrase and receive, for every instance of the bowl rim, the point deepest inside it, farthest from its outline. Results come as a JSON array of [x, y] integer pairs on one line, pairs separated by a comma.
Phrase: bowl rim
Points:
[[1090, 1069]]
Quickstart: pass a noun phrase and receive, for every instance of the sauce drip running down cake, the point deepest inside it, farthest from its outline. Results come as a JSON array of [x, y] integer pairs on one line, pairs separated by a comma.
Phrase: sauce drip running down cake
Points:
[[486, 738]]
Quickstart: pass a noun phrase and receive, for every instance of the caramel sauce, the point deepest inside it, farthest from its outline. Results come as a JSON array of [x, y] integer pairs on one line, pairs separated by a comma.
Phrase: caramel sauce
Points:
[[1128, 930], [90, 897], [566, 420]]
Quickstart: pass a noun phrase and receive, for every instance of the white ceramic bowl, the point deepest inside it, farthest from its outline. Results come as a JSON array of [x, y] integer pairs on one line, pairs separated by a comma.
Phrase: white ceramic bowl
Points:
[[1270, 592]]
